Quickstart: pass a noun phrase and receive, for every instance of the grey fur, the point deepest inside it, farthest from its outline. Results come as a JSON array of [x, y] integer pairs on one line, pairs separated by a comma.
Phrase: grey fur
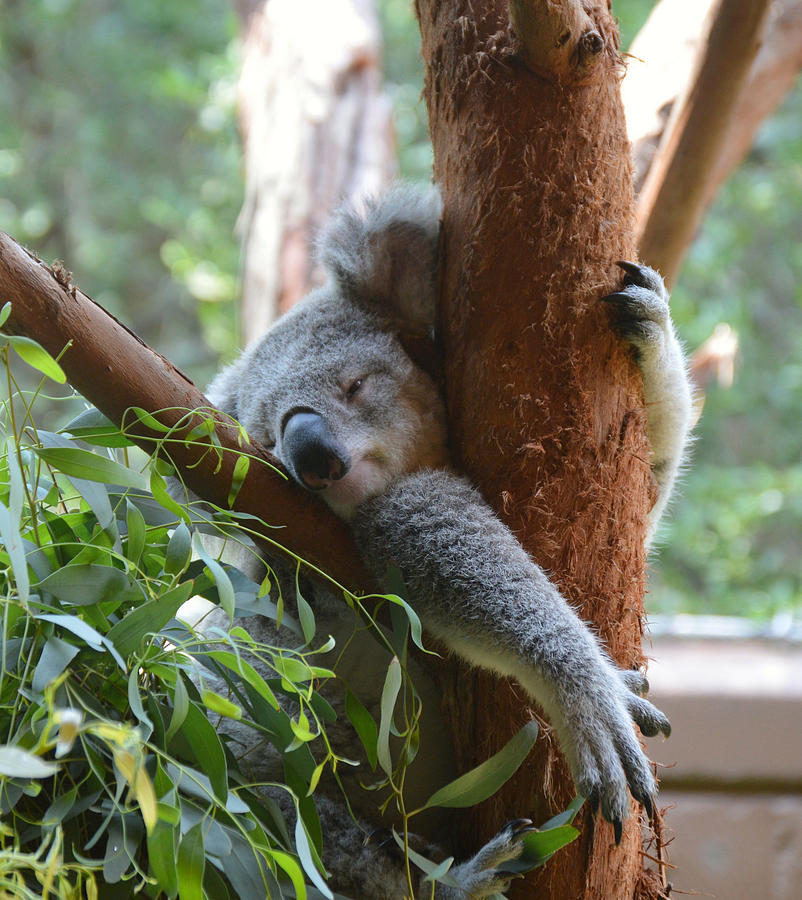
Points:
[[338, 354]]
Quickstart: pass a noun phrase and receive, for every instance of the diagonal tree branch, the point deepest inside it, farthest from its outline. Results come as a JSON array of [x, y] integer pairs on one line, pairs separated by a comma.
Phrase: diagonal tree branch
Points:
[[675, 193], [115, 371]]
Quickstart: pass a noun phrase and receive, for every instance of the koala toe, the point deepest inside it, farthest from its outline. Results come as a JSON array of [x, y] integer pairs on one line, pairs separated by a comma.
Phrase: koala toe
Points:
[[635, 681], [648, 717]]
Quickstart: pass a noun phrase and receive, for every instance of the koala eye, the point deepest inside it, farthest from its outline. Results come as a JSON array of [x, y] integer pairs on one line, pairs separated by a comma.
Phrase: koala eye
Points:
[[354, 388]]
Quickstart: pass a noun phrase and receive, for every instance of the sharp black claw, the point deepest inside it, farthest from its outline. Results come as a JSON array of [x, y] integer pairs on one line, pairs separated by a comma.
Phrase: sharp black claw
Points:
[[648, 806], [618, 297], [618, 827], [629, 267], [515, 824], [593, 803]]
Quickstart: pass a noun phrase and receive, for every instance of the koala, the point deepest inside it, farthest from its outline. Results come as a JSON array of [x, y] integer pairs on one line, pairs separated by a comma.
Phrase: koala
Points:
[[332, 392]]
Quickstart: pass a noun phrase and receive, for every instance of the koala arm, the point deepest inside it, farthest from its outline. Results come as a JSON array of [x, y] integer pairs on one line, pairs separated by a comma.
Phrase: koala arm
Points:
[[643, 318], [478, 591]]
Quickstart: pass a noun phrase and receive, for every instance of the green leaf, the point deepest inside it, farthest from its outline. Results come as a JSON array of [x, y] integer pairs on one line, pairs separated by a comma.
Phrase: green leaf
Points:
[[191, 864], [540, 846], [5, 312], [392, 685], [238, 477], [137, 531], [147, 419], [18, 763], [83, 585], [37, 357], [208, 751], [150, 618], [225, 590], [97, 497], [306, 615], [12, 541], [292, 869], [364, 725], [221, 705], [91, 466], [434, 871], [179, 550], [180, 708], [162, 841], [483, 781], [94, 428], [567, 816], [158, 487], [304, 850], [56, 656]]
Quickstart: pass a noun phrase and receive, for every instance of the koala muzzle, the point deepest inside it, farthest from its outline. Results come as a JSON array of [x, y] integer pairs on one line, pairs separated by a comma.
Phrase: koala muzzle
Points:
[[312, 453]]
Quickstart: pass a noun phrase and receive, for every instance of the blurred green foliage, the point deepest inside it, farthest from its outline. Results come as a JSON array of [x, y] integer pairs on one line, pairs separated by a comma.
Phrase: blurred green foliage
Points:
[[119, 154]]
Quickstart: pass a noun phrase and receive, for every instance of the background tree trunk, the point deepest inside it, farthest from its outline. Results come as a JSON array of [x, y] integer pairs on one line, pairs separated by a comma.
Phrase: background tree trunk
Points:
[[316, 131], [545, 414]]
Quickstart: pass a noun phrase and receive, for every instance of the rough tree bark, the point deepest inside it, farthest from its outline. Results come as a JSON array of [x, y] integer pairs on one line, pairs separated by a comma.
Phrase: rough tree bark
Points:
[[545, 415], [316, 131], [47, 308]]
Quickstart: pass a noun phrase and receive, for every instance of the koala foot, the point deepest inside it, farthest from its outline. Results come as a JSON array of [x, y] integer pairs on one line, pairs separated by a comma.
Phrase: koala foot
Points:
[[642, 314], [605, 755], [482, 876]]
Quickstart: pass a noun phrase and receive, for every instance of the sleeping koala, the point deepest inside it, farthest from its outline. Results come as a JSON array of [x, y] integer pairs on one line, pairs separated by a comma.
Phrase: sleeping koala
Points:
[[331, 390]]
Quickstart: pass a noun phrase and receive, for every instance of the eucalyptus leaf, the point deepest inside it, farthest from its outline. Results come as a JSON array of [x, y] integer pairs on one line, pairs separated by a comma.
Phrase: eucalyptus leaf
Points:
[[56, 656], [364, 725], [36, 356], [92, 466], [191, 864], [392, 685], [483, 781], [12, 541]]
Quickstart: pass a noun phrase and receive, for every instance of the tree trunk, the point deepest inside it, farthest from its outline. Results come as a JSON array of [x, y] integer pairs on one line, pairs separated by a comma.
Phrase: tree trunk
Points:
[[316, 129], [545, 414]]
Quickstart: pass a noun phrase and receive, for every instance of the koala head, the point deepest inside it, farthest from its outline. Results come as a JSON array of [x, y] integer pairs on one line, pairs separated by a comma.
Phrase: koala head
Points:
[[329, 388]]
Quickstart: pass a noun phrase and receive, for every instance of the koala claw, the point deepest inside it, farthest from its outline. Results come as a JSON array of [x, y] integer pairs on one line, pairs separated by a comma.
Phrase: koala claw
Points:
[[641, 306]]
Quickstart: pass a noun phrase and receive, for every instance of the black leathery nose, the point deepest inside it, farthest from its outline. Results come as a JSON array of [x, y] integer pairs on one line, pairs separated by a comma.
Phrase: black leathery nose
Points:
[[312, 451]]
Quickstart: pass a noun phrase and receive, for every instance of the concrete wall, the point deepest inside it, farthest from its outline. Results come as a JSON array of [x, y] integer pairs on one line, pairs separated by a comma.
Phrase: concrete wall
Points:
[[731, 772]]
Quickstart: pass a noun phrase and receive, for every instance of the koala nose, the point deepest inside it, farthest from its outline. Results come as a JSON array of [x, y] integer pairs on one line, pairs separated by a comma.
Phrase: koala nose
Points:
[[312, 452]]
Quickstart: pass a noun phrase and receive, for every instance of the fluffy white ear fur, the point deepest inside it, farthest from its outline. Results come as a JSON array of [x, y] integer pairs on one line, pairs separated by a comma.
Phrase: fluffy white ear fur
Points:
[[386, 259]]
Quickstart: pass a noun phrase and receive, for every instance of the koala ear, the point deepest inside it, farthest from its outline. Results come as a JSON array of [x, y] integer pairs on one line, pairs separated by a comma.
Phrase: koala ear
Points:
[[386, 259]]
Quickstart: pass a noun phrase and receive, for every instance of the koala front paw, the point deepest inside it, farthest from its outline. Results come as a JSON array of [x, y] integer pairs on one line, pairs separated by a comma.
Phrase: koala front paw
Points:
[[642, 314], [482, 875], [604, 753]]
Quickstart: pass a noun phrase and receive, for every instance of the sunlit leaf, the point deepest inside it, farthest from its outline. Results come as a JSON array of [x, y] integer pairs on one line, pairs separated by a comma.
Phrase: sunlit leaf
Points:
[[36, 356]]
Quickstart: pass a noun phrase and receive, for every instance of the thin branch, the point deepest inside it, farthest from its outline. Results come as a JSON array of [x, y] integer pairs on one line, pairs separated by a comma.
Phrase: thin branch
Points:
[[115, 371], [673, 197]]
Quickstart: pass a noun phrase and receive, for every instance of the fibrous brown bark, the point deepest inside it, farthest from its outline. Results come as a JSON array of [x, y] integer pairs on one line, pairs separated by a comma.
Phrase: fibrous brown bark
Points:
[[677, 189], [316, 131], [544, 404], [115, 370]]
